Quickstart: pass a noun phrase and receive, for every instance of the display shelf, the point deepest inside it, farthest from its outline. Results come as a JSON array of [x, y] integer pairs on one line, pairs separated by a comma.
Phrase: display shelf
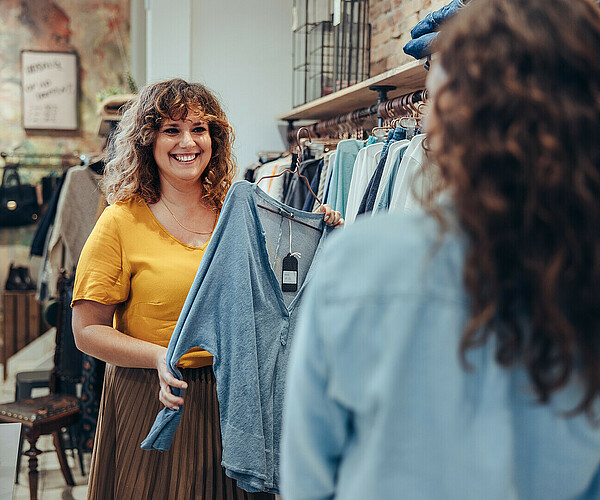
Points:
[[110, 110], [406, 78]]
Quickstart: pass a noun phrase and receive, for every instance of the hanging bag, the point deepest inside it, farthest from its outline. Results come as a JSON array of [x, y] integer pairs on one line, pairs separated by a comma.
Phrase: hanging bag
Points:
[[18, 202]]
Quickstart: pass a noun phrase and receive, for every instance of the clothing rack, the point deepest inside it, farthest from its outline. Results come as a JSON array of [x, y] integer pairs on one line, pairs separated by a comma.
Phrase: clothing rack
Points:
[[43, 160], [383, 111]]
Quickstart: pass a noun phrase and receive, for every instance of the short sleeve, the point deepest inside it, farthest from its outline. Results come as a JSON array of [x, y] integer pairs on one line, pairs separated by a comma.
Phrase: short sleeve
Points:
[[103, 273]]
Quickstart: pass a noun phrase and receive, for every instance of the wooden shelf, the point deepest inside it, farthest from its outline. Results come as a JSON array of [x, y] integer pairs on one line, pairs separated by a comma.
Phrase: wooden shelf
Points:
[[406, 78], [110, 110]]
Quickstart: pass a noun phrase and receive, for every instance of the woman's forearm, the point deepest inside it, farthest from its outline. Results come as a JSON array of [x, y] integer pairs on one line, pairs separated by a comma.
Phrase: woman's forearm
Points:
[[95, 335], [110, 345]]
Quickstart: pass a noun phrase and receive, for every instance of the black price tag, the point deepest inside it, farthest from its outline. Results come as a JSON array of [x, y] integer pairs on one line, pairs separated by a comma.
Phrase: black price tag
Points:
[[289, 281]]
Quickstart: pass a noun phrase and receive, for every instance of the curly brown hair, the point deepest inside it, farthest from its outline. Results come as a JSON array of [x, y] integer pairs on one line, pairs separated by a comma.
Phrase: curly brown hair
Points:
[[515, 133], [133, 170]]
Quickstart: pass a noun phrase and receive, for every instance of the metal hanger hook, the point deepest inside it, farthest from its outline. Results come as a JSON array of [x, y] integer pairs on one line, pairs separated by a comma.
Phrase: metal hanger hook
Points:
[[298, 134]]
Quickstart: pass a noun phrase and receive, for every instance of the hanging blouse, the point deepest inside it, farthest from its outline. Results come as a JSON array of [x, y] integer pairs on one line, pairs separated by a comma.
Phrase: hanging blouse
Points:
[[408, 174], [364, 166], [341, 174], [237, 311]]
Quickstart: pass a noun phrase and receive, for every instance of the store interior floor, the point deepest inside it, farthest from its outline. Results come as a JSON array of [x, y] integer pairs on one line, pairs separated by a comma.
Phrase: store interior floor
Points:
[[51, 483]]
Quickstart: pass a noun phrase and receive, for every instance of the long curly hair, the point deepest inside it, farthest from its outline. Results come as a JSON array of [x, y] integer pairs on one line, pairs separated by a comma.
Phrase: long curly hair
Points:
[[133, 170], [515, 134]]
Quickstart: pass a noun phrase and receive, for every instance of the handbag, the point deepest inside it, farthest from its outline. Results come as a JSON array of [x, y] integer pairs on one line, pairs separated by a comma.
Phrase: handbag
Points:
[[18, 202], [19, 279]]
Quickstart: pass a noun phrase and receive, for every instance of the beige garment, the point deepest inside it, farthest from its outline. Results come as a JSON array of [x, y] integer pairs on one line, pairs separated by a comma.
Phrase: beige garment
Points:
[[273, 186], [76, 214], [102, 204]]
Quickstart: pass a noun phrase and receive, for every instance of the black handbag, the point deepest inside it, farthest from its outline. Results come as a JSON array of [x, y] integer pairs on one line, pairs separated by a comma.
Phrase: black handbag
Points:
[[19, 279], [18, 202]]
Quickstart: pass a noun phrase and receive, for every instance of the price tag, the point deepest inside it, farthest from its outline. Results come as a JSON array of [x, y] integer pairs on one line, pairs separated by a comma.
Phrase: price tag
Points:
[[289, 279]]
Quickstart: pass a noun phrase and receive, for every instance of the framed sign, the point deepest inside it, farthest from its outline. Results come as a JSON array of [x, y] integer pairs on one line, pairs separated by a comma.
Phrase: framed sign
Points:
[[50, 90]]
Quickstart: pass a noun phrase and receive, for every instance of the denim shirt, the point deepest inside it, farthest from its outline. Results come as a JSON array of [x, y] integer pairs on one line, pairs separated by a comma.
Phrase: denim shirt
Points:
[[341, 174], [424, 33], [378, 404], [432, 21], [236, 310]]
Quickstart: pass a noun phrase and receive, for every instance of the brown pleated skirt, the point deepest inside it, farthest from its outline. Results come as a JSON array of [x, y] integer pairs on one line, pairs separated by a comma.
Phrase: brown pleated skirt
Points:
[[190, 469]]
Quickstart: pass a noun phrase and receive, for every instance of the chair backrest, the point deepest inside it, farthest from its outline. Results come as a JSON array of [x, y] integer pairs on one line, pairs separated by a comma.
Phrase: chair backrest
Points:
[[67, 358]]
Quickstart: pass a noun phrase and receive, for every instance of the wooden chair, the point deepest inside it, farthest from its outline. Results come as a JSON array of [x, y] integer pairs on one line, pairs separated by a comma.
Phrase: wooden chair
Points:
[[60, 409]]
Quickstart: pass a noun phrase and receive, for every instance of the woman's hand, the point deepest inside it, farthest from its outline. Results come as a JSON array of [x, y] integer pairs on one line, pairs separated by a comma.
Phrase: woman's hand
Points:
[[166, 380], [94, 334], [332, 217]]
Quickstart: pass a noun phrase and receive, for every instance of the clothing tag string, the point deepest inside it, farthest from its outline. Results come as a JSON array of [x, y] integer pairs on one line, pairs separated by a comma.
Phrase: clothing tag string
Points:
[[295, 254]]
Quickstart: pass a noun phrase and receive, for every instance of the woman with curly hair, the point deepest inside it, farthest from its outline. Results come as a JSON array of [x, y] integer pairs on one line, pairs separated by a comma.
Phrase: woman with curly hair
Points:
[[166, 184], [461, 360]]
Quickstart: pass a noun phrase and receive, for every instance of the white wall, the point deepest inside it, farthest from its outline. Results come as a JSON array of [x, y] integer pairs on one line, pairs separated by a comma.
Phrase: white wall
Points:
[[138, 42], [241, 50], [168, 35]]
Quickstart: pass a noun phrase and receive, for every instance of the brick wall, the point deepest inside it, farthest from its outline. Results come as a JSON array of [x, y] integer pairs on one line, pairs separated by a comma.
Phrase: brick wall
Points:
[[391, 22]]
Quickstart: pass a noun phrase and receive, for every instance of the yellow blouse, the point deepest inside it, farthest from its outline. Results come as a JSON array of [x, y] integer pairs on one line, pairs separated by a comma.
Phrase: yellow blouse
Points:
[[131, 260]]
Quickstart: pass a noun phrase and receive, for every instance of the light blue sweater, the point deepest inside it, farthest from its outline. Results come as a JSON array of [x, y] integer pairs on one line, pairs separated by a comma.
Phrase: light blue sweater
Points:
[[378, 405]]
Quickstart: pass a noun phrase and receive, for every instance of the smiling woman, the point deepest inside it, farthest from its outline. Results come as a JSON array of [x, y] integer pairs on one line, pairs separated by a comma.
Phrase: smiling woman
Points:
[[182, 143], [166, 185], [182, 151], [160, 112]]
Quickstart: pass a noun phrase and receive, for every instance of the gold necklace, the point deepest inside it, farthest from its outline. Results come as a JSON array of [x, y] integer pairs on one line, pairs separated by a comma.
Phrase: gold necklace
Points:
[[177, 220]]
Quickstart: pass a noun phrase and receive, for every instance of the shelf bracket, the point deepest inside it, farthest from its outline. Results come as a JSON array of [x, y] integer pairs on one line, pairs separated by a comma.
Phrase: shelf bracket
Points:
[[382, 91]]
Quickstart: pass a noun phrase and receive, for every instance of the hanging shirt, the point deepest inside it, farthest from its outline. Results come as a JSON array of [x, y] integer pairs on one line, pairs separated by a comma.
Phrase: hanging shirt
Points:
[[324, 179], [364, 167], [388, 179], [273, 185], [368, 201], [237, 311], [341, 176], [408, 173], [328, 177], [298, 189], [45, 224], [74, 220], [310, 200]]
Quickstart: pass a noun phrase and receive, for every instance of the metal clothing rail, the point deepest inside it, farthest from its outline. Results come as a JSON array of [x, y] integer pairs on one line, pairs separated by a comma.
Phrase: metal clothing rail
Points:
[[384, 110], [42, 160]]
